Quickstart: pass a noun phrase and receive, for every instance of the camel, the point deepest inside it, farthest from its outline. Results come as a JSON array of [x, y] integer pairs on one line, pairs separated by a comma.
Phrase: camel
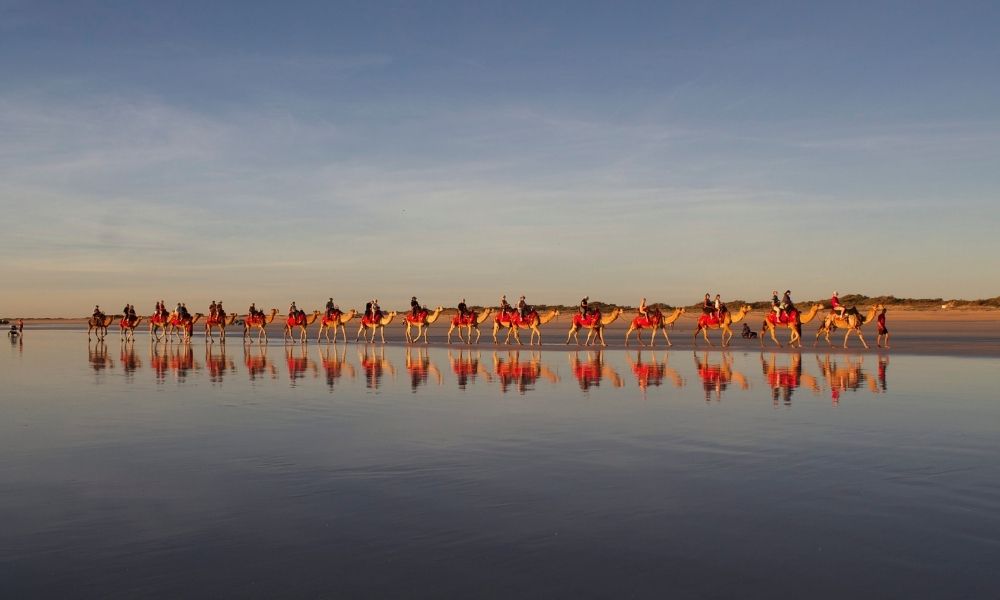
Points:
[[595, 323], [420, 322], [127, 328], [513, 322], [852, 322], [706, 322], [337, 321], [655, 321], [376, 325], [156, 323], [259, 323], [472, 320], [182, 327], [794, 322], [100, 326], [301, 321], [220, 321]]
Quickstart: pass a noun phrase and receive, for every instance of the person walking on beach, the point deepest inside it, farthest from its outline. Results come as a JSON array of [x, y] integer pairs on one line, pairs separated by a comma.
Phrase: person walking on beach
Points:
[[882, 331]]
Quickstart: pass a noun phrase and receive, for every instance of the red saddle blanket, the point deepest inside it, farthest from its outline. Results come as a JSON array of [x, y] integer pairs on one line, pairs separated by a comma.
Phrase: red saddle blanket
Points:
[[468, 319], [333, 319], [652, 320], [784, 319], [710, 320], [296, 320], [368, 320], [420, 318], [590, 320], [514, 318]]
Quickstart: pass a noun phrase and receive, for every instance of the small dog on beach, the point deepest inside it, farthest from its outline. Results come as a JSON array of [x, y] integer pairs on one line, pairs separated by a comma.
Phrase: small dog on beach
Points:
[[750, 335]]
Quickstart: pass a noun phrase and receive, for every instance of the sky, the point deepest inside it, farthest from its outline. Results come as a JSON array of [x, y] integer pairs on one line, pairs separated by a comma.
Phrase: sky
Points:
[[280, 151]]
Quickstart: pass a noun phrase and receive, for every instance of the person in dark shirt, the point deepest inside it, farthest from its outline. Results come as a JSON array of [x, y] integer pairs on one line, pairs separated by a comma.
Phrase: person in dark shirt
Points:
[[584, 304], [462, 309], [414, 306], [776, 304], [522, 307]]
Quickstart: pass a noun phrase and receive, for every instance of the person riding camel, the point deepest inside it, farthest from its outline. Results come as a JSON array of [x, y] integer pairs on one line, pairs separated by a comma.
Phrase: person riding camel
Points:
[[414, 307], [836, 306], [213, 309], [330, 307], [776, 305], [643, 309], [720, 307], [584, 304], [376, 310], [522, 307], [252, 311], [125, 311], [292, 310], [132, 317], [504, 305], [462, 309], [98, 313], [707, 308], [786, 303], [219, 311]]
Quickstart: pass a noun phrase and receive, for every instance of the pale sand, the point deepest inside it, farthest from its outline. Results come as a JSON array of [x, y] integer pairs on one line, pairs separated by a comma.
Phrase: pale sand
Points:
[[964, 332]]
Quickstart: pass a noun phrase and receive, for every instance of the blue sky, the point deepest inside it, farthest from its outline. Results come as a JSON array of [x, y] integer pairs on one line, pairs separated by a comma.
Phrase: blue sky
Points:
[[271, 152]]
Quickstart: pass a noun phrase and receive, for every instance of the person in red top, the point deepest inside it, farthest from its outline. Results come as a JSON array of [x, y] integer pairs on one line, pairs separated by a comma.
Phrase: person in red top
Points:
[[836, 306], [882, 331]]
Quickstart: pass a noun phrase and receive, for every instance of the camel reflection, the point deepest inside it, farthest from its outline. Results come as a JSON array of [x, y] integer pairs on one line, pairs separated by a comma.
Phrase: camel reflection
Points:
[[467, 368], [297, 360], [846, 373], [129, 360], [217, 363], [785, 379], [420, 367], [167, 357], [375, 364], [651, 372], [98, 355], [590, 372], [257, 363], [334, 363], [511, 371], [716, 377]]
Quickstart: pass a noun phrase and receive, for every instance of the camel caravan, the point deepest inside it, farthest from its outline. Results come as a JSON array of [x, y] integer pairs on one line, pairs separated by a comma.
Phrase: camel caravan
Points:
[[508, 323]]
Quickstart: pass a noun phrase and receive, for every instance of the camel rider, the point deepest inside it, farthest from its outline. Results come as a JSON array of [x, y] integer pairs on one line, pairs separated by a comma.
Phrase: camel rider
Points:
[[836, 306], [522, 307], [292, 310], [707, 308], [330, 307], [786, 302], [584, 305], [720, 307], [462, 309], [163, 309], [414, 306], [776, 304], [98, 314], [252, 311], [220, 312], [504, 306], [184, 311], [125, 311], [131, 313], [213, 309], [376, 309]]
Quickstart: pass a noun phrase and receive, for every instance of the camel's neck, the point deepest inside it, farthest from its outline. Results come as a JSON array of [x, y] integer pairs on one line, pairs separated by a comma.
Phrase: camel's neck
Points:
[[271, 316], [871, 315], [434, 315], [312, 318], [547, 317], [739, 316], [812, 313], [608, 320], [387, 319], [484, 315], [676, 315], [350, 315]]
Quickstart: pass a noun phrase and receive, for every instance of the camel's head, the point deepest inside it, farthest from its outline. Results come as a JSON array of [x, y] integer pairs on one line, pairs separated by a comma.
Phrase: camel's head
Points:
[[746, 308]]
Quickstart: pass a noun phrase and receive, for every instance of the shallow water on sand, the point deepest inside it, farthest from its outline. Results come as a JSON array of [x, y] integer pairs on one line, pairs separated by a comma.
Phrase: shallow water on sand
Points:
[[178, 470]]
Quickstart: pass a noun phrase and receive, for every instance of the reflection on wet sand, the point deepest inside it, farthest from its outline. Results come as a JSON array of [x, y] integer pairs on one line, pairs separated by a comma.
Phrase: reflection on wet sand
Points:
[[716, 376], [511, 371], [592, 370], [651, 372], [467, 368], [375, 364], [174, 358], [257, 363], [297, 360], [420, 367], [785, 379], [334, 363], [846, 373], [129, 360], [98, 355], [217, 363]]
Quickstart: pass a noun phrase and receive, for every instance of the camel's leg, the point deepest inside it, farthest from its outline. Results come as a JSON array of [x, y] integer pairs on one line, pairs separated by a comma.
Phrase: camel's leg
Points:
[[600, 334], [770, 331], [496, 329], [572, 330], [381, 331], [666, 337], [705, 332], [450, 329], [478, 333], [631, 328]]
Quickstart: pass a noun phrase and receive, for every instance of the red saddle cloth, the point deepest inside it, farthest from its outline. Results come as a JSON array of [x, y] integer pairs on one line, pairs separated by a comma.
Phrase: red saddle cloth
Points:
[[333, 319], [652, 320], [468, 319], [514, 318], [784, 319], [254, 321], [157, 320], [709, 320], [124, 324], [420, 318], [590, 320], [368, 320], [296, 320], [216, 320]]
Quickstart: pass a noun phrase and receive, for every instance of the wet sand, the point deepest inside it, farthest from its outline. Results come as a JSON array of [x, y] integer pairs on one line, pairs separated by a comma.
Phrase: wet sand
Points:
[[955, 332]]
